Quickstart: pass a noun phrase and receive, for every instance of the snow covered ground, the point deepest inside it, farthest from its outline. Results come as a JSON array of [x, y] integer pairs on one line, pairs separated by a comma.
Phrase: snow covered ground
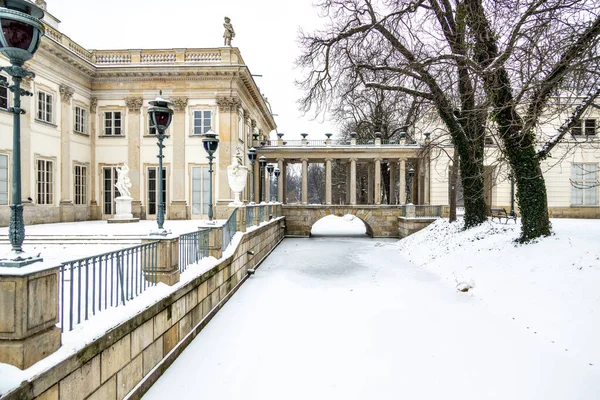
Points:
[[349, 318]]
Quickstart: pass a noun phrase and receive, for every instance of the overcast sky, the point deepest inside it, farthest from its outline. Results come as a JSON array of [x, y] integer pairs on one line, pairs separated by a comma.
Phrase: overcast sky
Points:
[[266, 33]]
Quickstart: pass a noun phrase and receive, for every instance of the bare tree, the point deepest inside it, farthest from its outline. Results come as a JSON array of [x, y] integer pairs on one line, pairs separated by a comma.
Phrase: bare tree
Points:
[[414, 48], [524, 55]]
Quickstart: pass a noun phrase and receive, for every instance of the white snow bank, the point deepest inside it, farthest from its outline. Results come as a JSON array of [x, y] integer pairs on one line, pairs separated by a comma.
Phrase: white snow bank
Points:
[[550, 288]]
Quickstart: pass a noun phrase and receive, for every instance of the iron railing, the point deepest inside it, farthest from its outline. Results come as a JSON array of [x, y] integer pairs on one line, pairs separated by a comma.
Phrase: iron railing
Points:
[[229, 229], [249, 216], [192, 247], [93, 284]]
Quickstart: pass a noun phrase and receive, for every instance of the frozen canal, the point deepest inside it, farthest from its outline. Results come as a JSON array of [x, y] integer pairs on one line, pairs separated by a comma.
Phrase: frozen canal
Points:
[[348, 318]]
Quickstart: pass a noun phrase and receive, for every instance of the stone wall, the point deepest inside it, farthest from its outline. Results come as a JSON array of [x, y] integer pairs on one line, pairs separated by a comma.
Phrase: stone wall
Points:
[[408, 226], [139, 350]]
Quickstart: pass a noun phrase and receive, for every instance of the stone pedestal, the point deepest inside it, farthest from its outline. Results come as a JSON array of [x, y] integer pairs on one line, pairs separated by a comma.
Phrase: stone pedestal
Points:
[[215, 242], [240, 217], [123, 214], [167, 259], [28, 313]]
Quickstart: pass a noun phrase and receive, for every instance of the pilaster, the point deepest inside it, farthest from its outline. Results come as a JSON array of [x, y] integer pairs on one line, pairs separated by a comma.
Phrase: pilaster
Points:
[[134, 105], [178, 208], [27, 167], [228, 138], [66, 202], [94, 208]]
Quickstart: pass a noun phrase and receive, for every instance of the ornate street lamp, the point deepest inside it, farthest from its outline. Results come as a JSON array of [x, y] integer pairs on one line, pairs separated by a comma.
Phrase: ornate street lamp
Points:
[[19, 40], [252, 158], [262, 163], [270, 169], [409, 194], [277, 173], [161, 116], [211, 143]]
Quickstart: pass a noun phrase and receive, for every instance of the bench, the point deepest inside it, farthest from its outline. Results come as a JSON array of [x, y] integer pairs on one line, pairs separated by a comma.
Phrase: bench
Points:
[[501, 213]]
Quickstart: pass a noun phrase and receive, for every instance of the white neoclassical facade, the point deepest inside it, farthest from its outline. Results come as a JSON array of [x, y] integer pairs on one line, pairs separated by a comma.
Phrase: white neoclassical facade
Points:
[[89, 115]]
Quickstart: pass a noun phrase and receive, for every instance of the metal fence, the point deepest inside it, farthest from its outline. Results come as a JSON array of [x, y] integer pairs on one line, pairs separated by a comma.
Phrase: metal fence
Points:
[[229, 229], [92, 284], [192, 247], [249, 216]]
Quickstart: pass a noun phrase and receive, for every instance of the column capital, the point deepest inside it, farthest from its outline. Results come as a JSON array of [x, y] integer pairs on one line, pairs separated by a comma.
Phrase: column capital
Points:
[[353, 159], [329, 159], [180, 103], [134, 104], [228, 104], [304, 159], [93, 105], [253, 123], [402, 159], [377, 159], [281, 160], [66, 93]]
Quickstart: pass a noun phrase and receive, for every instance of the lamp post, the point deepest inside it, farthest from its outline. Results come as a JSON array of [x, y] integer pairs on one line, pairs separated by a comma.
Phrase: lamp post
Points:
[[19, 40], [262, 163], [161, 116], [211, 143], [252, 158], [270, 169], [409, 194], [277, 173]]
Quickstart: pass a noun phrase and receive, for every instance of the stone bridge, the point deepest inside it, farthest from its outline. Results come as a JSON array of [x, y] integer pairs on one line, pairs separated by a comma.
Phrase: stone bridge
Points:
[[380, 220]]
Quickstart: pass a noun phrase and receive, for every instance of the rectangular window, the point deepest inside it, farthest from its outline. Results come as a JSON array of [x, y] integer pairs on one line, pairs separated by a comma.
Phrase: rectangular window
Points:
[[202, 122], [109, 191], [112, 123], [3, 179], [44, 111], [45, 182], [589, 127], [200, 190], [151, 128], [3, 92], [586, 127], [80, 119], [153, 189], [584, 184], [80, 184]]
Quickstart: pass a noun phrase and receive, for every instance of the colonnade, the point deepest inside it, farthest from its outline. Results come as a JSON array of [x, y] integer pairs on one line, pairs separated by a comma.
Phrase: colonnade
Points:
[[398, 178]]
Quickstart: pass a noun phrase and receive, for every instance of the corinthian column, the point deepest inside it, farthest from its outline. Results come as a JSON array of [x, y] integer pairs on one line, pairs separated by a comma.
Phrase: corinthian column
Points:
[[178, 209], [134, 104]]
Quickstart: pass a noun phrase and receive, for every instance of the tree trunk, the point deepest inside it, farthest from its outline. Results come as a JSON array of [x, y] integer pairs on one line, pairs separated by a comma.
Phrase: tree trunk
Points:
[[453, 182]]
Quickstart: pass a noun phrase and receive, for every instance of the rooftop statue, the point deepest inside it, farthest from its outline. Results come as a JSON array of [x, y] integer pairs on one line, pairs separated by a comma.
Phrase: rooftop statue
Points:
[[229, 32]]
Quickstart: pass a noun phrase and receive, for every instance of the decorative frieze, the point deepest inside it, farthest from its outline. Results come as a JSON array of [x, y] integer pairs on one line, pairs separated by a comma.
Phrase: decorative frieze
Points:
[[180, 103], [66, 93], [228, 104], [134, 104]]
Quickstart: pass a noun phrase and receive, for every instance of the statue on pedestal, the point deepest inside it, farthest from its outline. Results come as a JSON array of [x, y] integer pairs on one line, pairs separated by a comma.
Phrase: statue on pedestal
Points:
[[123, 182], [229, 32]]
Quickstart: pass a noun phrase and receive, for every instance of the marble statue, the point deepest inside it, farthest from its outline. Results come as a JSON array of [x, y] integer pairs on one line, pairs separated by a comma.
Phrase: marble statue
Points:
[[229, 32], [123, 182]]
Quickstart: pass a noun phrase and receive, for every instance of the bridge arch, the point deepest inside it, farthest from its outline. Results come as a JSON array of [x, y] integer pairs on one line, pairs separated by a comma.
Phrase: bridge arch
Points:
[[380, 220], [340, 224]]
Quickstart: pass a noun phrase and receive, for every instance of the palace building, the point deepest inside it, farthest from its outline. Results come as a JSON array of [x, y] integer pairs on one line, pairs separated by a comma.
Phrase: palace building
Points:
[[89, 115]]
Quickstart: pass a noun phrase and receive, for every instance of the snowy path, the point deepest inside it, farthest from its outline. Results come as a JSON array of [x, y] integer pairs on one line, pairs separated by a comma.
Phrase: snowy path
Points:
[[346, 318]]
